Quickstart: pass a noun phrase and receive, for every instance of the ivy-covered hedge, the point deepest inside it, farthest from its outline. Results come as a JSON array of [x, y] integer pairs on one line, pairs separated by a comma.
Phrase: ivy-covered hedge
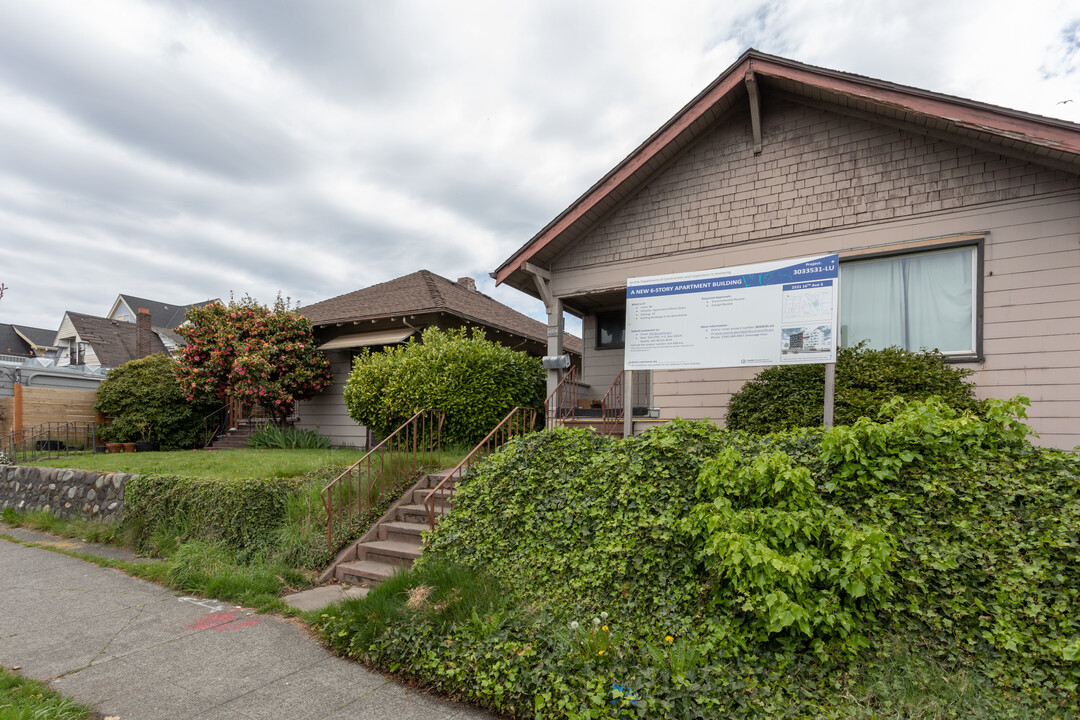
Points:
[[791, 396], [695, 572], [241, 513], [474, 380]]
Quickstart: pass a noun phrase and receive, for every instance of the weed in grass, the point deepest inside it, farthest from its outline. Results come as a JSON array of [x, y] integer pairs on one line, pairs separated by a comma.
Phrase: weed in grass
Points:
[[25, 699], [213, 570]]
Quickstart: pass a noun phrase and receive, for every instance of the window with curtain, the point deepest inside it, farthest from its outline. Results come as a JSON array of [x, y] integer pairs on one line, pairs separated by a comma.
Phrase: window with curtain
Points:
[[915, 301]]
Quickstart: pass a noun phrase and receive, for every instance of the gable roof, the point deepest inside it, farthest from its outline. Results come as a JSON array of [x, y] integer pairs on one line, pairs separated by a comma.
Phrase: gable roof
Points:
[[11, 343], [113, 341], [424, 292], [41, 337], [1047, 141], [164, 315]]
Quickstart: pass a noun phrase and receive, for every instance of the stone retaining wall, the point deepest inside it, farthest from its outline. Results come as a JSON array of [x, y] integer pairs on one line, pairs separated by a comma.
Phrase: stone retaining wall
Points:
[[63, 492]]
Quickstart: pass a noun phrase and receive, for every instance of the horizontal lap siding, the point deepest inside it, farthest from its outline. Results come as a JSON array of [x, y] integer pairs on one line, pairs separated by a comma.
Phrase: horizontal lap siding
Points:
[[599, 367], [825, 183], [326, 412]]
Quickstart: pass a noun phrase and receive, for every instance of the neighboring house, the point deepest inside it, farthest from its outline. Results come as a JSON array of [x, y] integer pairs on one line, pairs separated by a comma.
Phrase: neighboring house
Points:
[[969, 211], [103, 342], [23, 341], [168, 316], [391, 313]]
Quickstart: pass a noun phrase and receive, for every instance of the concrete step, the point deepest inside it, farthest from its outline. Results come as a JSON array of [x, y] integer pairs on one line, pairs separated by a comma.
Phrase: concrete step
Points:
[[407, 532], [417, 513], [390, 552], [364, 572], [420, 495]]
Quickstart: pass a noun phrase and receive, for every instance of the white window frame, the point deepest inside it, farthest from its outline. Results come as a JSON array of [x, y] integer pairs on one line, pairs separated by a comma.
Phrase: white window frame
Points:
[[973, 244]]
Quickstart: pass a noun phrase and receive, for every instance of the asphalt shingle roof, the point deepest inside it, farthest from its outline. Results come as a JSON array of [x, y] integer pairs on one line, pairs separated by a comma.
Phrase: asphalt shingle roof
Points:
[[162, 314], [113, 341], [423, 291]]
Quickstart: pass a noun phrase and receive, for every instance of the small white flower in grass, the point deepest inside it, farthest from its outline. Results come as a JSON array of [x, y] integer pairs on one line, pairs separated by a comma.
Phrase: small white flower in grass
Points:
[[573, 625], [596, 622], [603, 616]]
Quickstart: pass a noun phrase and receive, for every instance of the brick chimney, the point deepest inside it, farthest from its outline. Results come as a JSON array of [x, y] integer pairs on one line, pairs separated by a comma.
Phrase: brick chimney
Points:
[[142, 333], [467, 283]]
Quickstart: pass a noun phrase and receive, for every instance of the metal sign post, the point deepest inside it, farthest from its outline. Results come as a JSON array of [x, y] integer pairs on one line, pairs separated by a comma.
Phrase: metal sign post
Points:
[[830, 392]]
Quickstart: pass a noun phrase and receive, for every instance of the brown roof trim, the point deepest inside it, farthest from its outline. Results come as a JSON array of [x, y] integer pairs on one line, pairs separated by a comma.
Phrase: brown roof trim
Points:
[[1048, 133]]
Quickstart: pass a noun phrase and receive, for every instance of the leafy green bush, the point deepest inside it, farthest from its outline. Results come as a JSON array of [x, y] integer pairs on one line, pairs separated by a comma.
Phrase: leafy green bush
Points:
[[474, 380], [146, 403], [790, 396], [272, 437], [242, 514], [760, 576]]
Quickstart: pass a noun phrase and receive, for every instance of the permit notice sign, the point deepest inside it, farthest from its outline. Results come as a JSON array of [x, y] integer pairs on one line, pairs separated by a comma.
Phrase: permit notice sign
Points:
[[774, 313]]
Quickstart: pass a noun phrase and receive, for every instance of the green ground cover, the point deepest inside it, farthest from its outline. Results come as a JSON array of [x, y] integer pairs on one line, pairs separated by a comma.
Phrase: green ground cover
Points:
[[25, 699], [220, 464], [925, 566]]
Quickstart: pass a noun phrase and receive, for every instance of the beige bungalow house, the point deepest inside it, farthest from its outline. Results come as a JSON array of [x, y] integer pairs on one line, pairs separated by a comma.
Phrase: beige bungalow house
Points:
[[392, 312], [968, 211]]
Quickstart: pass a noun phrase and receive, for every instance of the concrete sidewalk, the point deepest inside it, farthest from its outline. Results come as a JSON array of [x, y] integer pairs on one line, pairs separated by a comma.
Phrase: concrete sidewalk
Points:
[[137, 651]]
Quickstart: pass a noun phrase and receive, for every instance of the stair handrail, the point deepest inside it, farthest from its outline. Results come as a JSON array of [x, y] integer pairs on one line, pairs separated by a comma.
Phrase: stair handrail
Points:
[[416, 444], [438, 499], [611, 406], [218, 428], [565, 396]]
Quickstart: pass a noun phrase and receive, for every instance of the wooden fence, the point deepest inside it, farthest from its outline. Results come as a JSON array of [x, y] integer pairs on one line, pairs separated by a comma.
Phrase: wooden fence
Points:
[[47, 405]]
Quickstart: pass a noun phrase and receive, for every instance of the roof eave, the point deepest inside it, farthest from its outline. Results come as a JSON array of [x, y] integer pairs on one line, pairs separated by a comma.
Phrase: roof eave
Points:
[[1034, 130]]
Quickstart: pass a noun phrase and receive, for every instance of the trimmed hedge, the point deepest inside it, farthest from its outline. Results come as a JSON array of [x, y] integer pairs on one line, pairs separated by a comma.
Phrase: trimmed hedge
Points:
[[474, 380], [241, 513], [793, 396]]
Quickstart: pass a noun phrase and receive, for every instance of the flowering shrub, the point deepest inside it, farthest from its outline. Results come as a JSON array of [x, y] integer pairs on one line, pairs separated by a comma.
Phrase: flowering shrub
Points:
[[253, 354]]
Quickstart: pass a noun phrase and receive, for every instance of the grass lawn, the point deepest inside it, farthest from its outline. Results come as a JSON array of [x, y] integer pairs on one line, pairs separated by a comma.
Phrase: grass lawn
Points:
[[25, 698], [220, 464]]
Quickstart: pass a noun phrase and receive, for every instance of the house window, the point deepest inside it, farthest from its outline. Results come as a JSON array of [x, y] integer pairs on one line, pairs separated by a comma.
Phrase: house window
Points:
[[915, 301], [611, 330]]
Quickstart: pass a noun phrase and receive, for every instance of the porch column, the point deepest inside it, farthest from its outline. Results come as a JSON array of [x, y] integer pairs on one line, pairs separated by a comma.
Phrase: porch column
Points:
[[555, 326]]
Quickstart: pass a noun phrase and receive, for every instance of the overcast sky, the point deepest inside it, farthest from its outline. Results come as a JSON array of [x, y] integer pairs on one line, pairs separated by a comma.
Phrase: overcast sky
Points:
[[180, 150]]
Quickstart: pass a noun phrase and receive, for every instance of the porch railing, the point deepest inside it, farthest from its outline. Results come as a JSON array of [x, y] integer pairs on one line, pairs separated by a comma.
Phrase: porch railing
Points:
[[49, 440], [518, 421], [562, 402], [612, 411], [404, 452]]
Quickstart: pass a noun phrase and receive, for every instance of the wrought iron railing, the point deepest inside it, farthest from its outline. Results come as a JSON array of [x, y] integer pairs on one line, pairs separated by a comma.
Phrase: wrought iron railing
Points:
[[518, 421], [612, 411], [49, 440], [414, 446], [562, 402], [215, 424]]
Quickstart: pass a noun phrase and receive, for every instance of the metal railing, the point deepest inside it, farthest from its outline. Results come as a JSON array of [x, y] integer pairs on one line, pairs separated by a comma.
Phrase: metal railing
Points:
[[612, 411], [417, 444], [49, 440], [518, 421], [215, 424], [562, 402]]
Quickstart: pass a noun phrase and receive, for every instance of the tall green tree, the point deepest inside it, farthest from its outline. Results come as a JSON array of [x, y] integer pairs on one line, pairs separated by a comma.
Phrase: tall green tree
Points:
[[258, 355]]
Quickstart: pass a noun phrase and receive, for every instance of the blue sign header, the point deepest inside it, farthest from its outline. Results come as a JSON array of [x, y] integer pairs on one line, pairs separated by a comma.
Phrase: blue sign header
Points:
[[817, 269]]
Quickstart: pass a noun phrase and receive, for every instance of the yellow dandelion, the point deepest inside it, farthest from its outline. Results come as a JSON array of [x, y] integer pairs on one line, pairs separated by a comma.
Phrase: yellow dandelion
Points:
[[604, 628], [599, 652], [668, 638]]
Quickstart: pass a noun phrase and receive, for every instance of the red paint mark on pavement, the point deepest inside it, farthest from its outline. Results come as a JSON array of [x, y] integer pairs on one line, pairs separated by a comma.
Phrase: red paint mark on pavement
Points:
[[219, 621]]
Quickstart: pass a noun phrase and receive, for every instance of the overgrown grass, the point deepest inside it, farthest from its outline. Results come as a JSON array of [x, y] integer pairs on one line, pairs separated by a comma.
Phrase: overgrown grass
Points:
[[26, 699], [219, 464]]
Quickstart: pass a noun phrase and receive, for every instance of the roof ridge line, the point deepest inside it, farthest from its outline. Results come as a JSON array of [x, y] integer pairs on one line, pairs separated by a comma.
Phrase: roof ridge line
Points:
[[429, 279]]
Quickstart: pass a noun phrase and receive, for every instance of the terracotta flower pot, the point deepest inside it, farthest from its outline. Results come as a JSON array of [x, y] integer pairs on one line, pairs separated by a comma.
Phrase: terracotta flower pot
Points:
[[129, 447], [114, 447]]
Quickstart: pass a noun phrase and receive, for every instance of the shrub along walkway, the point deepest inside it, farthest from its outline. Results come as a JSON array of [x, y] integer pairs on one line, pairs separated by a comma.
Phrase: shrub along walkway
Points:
[[132, 649]]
